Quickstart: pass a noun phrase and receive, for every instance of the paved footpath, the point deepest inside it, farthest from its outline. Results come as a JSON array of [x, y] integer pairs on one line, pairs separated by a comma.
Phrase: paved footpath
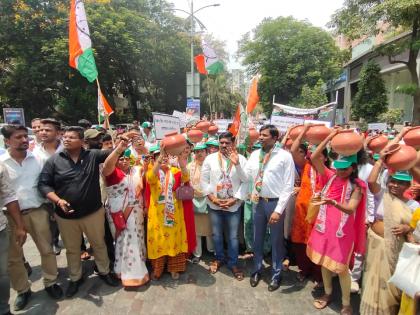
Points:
[[196, 292]]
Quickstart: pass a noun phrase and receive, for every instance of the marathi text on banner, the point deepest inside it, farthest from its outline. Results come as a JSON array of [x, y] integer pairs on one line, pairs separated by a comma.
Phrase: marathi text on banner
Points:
[[164, 124]]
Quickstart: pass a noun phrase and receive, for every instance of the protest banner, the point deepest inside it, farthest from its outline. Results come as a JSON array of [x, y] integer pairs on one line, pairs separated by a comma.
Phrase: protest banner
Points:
[[164, 124], [222, 124], [377, 126], [283, 122], [14, 116], [182, 118]]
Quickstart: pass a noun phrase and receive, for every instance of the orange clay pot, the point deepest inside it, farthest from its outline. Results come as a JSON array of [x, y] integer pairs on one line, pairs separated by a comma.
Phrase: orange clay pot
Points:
[[412, 137], [295, 131], [213, 129], [400, 157], [317, 133], [203, 126], [174, 143], [347, 142], [377, 143], [195, 135]]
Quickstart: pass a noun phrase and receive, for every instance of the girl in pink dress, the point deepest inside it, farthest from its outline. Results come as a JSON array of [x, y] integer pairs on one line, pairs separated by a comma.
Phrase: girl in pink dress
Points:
[[339, 229]]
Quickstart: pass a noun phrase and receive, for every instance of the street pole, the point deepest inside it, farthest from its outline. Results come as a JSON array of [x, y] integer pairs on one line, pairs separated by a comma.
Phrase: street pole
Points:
[[192, 49]]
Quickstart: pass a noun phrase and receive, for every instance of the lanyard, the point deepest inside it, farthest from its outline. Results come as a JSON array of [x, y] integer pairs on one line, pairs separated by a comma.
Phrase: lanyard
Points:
[[228, 165]]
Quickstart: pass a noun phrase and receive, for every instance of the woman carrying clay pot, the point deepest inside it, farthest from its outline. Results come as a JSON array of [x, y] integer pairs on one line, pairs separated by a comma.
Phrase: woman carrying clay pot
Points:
[[301, 228], [385, 238], [339, 227], [166, 233]]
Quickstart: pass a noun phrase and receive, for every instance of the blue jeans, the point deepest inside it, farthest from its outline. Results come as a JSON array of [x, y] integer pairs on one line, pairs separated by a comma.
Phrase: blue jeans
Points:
[[219, 219], [4, 277], [262, 214]]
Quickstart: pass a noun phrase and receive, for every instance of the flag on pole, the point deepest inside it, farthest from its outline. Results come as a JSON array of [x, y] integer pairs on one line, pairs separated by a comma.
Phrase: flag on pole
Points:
[[253, 97], [104, 109], [80, 45], [234, 128], [240, 126], [208, 62]]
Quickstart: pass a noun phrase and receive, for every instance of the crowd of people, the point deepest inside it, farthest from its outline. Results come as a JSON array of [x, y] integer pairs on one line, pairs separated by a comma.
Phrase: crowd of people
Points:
[[144, 211]]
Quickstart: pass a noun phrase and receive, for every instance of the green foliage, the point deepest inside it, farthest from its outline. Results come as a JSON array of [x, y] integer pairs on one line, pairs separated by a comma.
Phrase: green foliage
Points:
[[141, 51], [392, 115], [370, 99], [288, 54], [311, 97], [408, 89]]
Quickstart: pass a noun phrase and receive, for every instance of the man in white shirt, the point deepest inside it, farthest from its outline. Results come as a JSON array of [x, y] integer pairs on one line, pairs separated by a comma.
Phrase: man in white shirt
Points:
[[24, 170], [9, 200], [148, 133], [49, 134], [271, 173], [221, 177]]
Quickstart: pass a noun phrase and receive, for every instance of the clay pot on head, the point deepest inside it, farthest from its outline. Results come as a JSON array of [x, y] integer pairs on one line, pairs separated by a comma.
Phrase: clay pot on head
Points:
[[377, 143], [203, 126], [253, 135], [213, 129], [347, 142], [174, 143], [317, 133], [400, 157], [288, 143], [195, 135], [295, 131], [412, 137]]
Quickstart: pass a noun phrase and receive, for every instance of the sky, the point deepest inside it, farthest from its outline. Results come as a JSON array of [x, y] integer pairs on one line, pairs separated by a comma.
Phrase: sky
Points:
[[233, 18]]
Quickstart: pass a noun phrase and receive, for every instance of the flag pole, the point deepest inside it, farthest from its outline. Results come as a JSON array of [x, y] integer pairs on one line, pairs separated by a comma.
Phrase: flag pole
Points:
[[208, 90], [99, 87]]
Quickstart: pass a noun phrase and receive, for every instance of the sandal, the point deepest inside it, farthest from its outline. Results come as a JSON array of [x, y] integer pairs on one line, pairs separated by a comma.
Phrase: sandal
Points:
[[215, 266], [322, 301], [300, 277], [238, 273], [346, 310]]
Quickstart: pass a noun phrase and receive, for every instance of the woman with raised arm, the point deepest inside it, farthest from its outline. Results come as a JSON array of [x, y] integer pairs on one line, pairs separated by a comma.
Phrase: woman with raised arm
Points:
[[124, 185], [339, 228], [166, 233]]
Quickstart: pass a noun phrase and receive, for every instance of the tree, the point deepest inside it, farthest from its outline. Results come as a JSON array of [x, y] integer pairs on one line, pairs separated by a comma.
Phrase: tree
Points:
[[366, 17], [288, 54], [140, 48], [370, 99], [312, 97], [392, 115]]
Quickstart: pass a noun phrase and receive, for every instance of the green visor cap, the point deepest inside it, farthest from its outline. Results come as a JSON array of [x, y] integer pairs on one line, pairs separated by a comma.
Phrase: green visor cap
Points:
[[376, 156], [146, 124], [200, 146], [214, 143], [403, 176], [154, 148], [345, 161], [241, 146], [127, 153], [257, 146]]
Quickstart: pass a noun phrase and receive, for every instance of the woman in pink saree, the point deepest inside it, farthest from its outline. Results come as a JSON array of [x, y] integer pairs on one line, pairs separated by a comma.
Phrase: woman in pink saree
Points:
[[339, 229]]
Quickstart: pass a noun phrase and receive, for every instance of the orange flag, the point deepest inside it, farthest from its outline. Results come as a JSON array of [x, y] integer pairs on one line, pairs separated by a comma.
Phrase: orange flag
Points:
[[253, 97], [234, 128], [200, 61]]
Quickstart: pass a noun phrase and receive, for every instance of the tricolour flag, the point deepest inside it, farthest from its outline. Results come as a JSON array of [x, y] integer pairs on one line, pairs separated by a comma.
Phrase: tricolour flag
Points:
[[104, 109], [253, 97], [208, 62], [80, 45]]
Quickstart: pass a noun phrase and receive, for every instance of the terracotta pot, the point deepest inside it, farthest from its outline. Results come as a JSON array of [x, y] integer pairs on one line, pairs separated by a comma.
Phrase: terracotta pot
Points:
[[412, 137], [400, 157], [174, 143], [295, 131], [288, 144], [317, 133], [253, 135], [347, 142], [195, 135], [203, 126], [213, 129], [377, 143]]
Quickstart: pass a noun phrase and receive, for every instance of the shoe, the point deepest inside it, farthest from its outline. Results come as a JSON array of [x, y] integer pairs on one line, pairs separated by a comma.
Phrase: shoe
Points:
[[21, 300], [274, 285], [255, 279], [73, 287], [28, 268], [55, 291], [195, 260], [110, 280], [354, 287], [56, 250]]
